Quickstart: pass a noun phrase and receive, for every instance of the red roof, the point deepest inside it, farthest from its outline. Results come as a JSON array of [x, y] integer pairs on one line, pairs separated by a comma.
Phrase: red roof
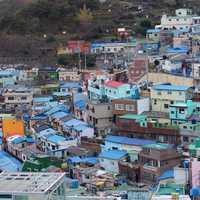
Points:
[[114, 84]]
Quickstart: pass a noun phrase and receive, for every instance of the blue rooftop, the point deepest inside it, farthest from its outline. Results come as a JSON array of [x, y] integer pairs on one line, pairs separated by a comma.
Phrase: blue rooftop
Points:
[[128, 141], [8, 163], [81, 104], [170, 87], [42, 99], [59, 115], [56, 138], [7, 74], [70, 85], [89, 160], [166, 175], [19, 140], [153, 31], [81, 127], [48, 131], [113, 154], [61, 94], [178, 50], [57, 108], [74, 122]]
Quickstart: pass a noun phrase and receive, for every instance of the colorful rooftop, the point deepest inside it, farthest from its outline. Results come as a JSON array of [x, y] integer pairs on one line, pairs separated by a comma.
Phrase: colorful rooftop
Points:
[[113, 154], [160, 146], [171, 87], [114, 84], [128, 141], [133, 116]]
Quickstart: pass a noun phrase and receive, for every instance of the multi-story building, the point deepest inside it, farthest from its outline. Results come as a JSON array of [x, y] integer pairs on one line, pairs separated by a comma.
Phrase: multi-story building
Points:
[[131, 125], [182, 20], [101, 89], [66, 75], [164, 95], [17, 97], [155, 159], [99, 116], [130, 106]]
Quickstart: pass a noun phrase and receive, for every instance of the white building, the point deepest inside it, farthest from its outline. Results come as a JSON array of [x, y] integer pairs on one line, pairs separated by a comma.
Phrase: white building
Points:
[[37, 186], [182, 20], [109, 160]]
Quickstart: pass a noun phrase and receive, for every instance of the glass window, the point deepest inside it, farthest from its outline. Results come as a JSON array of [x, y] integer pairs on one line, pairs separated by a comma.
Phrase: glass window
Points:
[[130, 107]]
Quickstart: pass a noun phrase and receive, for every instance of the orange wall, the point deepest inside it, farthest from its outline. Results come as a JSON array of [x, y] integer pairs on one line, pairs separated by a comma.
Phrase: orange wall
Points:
[[11, 127]]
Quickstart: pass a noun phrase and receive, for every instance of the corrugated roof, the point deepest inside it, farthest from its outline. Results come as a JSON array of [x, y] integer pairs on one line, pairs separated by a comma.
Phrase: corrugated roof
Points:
[[114, 84], [171, 87], [113, 154], [128, 141]]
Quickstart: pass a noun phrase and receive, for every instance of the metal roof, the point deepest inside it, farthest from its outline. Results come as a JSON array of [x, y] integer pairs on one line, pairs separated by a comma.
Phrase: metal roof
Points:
[[128, 141], [29, 183]]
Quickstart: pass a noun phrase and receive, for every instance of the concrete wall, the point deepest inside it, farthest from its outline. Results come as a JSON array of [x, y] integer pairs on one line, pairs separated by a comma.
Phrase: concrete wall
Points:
[[158, 78]]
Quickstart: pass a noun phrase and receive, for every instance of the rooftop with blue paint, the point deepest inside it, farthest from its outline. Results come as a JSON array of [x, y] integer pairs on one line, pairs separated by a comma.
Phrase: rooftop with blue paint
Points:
[[159, 146], [6, 74], [59, 115], [128, 141], [74, 122], [81, 127], [178, 50], [71, 85], [153, 31], [56, 138], [61, 94], [8, 163], [60, 107], [171, 87], [77, 160], [42, 99], [81, 104], [113, 154]]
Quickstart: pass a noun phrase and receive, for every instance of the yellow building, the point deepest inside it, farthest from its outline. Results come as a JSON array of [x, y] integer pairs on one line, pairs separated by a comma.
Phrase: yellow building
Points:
[[164, 95], [11, 127]]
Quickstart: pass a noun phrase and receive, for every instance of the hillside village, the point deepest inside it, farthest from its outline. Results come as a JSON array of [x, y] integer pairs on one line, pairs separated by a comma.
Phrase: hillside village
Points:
[[113, 119]]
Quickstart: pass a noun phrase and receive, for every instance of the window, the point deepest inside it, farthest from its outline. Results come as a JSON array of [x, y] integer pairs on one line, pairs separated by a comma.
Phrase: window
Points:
[[172, 112], [180, 93], [130, 107], [171, 102], [11, 98], [155, 101], [23, 98], [108, 107], [185, 127], [128, 92], [119, 106], [170, 19], [169, 92], [185, 139], [159, 93], [181, 111], [166, 106]]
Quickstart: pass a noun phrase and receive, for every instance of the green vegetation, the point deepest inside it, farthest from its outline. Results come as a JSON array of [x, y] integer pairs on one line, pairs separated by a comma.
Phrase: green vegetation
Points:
[[41, 163]]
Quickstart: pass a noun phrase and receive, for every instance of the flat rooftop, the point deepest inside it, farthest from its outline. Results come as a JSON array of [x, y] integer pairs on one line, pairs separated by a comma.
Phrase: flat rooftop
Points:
[[29, 183]]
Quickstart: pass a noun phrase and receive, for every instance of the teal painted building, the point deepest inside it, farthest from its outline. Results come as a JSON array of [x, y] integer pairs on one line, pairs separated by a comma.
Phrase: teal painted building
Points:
[[185, 115]]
